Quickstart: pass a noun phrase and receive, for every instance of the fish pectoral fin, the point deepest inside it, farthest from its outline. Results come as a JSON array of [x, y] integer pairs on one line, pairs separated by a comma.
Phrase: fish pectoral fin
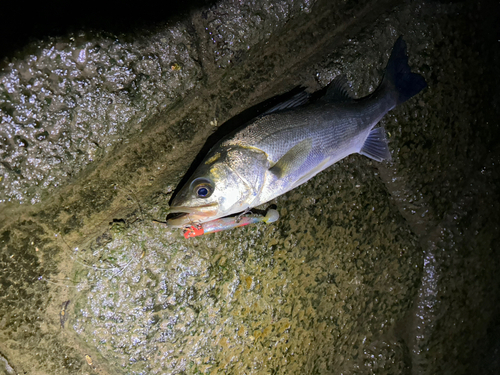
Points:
[[375, 146], [338, 90], [293, 159]]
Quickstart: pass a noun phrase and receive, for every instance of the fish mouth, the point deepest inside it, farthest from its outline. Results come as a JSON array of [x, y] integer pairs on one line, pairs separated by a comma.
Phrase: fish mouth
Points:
[[184, 216]]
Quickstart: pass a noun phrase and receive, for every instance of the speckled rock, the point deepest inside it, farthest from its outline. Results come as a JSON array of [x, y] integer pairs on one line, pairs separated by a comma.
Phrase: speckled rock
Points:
[[372, 269], [73, 98]]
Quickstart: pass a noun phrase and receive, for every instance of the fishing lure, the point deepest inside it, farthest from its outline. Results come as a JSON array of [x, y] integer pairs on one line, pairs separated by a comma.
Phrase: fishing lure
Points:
[[226, 223]]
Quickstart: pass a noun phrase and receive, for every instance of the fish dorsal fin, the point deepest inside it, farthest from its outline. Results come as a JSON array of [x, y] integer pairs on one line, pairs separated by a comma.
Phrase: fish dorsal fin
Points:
[[375, 146], [293, 159], [297, 100], [339, 90]]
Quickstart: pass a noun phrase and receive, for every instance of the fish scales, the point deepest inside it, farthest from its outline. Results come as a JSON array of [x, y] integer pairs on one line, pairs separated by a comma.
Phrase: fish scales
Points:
[[332, 128]]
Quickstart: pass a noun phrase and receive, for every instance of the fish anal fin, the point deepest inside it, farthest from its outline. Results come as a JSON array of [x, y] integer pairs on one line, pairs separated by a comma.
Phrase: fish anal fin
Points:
[[375, 146], [293, 159]]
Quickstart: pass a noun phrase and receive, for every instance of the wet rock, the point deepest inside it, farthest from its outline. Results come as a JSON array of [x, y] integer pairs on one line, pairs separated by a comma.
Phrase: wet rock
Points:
[[371, 268]]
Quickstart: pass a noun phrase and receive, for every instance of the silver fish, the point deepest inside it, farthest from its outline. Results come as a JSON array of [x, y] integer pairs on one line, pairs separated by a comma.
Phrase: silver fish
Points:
[[283, 149]]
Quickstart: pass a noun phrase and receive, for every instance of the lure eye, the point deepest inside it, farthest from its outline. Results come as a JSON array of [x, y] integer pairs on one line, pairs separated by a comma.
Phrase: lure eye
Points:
[[202, 188]]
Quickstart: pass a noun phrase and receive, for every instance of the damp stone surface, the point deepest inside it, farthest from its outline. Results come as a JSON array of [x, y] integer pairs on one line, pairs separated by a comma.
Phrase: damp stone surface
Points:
[[373, 268]]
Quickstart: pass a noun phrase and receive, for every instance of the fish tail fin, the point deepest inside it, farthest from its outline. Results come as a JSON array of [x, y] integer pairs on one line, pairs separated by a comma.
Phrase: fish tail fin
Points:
[[398, 77]]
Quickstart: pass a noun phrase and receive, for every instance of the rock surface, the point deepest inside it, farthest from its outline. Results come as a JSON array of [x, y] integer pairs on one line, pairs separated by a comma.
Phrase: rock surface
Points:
[[372, 269]]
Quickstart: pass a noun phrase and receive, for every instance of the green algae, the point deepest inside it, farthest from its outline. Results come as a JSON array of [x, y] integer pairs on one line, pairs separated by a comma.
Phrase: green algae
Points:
[[219, 301]]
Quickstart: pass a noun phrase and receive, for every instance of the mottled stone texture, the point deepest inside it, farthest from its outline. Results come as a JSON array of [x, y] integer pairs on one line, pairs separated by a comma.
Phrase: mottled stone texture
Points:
[[372, 269]]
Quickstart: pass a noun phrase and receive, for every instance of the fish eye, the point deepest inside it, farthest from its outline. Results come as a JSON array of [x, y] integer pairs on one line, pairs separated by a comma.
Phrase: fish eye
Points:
[[203, 188], [202, 192]]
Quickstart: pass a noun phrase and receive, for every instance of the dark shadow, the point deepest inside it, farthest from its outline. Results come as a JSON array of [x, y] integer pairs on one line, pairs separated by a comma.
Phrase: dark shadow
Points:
[[23, 22]]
